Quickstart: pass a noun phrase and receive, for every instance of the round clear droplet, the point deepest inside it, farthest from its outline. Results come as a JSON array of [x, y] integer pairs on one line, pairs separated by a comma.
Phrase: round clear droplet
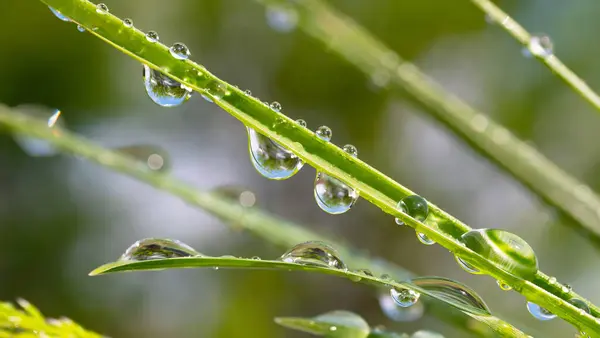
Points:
[[404, 297], [156, 248], [539, 312], [425, 239], [217, 90], [415, 206], [282, 18], [271, 159], [80, 28], [152, 36], [455, 293], [301, 122], [332, 195], [324, 133], [59, 14], [540, 46], [163, 90], [503, 286], [397, 313], [127, 22], [101, 8], [350, 149], [37, 147], [180, 51], [248, 92], [314, 253], [276, 106]]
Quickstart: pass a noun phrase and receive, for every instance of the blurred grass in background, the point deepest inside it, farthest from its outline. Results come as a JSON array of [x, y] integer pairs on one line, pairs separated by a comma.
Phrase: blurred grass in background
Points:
[[60, 217]]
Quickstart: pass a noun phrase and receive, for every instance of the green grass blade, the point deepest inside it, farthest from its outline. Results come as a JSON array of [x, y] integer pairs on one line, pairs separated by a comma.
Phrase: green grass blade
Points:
[[326, 157]]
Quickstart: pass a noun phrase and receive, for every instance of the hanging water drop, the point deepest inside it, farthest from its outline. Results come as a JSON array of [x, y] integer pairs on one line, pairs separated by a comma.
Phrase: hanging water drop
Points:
[[271, 159], [127, 22], [59, 14], [506, 250], [397, 313], [466, 266], [324, 133], [580, 304], [332, 195], [314, 253], [152, 36], [180, 51], [503, 286], [163, 90], [34, 146], [404, 297], [425, 239], [415, 206], [540, 46], [80, 28], [276, 106], [156, 248], [301, 123], [539, 312], [454, 293], [282, 18], [101, 9]]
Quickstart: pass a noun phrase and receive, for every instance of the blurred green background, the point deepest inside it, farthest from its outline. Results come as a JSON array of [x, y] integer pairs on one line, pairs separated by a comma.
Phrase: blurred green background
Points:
[[60, 217]]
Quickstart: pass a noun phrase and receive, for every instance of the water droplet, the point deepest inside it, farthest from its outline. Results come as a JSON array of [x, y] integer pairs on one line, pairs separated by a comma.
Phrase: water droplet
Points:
[[217, 90], [80, 28], [271, 159], [385, 277], [506, 250], [552, 280], [34, 146], [314, 253], [180, 51], [425, 239], [453, 292], [324, 133], [152, 36], [101, 8], [540, 46], [163, 90], [466, 266], [333, 195], [539, 312], [404, 297], [59, 14], [255, 258], [350, 149], [301, 122], [248, 92], [153, 156], [415, 206], [127, 22], [503, 286], [580, 304], [365, 272], [397, 313], [155, 248], [276, 106], [282, 18], [566, 288]]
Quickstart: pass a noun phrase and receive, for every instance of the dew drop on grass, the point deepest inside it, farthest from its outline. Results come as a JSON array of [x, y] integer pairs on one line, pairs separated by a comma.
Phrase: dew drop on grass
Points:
[[217, 90], [276, 106], [127, 22], [332, 195], [59, 14], [540, 46], [324, 133], [248, 92], [180, 51], [271, 159], [397, 313], [503, 286], [580, 304], [415, 206], [314, 253], [466, 266], [350, 149], [453, 292], [156, 248], [282, 18], [539, 312], [34, 146], [425, 239], [80, 28], [506, 250], [301, 122], [404, 297], [101, 9], [152, 36], [163, 90]]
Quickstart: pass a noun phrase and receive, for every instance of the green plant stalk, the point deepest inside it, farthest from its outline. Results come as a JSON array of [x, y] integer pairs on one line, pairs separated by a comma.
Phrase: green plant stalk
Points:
[[499, 326], [552, 62], [343, 36], [324, 156]]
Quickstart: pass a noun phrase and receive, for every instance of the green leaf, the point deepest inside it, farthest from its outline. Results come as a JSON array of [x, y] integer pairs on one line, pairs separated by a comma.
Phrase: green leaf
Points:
[[342, 324]]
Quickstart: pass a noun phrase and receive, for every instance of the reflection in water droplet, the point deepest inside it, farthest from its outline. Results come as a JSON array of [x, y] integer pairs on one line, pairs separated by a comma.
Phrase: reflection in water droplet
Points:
[[539, 312], [503, 286], [506, 250], [301, 122], [580, 304], [156, 248], [101, 8], [404, 297], [314, 253], [350, 149], [282, 18], [34, 146], [271, 159], [466, 266], [332, 195], [540, 46], [152, 36], [397, 313], [59, 14], [80, 28], [217, 90], [127, 22], [454, 293], [163, 90], [415, 206], [276, 106], [425, 239], [324, 133], [179, 51]]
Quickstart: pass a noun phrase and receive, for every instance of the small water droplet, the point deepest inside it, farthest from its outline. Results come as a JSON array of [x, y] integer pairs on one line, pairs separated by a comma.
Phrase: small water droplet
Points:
[[127, 22], [34, 146], [506, 250], [425, 239], [503, 286], [350, 149], [453, 292], [271, 159], [332, 195], [248, 92], [59, 14], [580, 304], [314, 253], [415, 206], [355, 278], [365, 272], [256, 258], [397, 313], [282, 18], [80, 28], [152, 36], [539, 312], [180, 51], [324, 133], [217, 90], [301, 122], [466, 266], [540, 46], [404, 297], [385, 277], [276, 106], [163, 90], [566, 288], [101, 9], [552, 280], [156, 248]]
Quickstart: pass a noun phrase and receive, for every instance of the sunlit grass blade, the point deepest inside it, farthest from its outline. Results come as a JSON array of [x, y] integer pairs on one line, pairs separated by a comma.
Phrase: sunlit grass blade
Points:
[[342, 324]]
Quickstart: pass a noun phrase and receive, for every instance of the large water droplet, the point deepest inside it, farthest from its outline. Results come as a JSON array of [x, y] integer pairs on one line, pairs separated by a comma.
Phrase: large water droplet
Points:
[[282, 18], [466, 266], [350, 149], [156, 248], [415, 206], [154, 157], [397, 313], [34, 146], [163, 90], [59, 14], [404, 297], [506, 250], [580, 304], [127, 22], [152, 36], [453, 292], [333, 195], [324, 133], [101, 8], [271, 159], [425, 239], [540, 46], [539, 312], [180, 51], [314, 253]]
